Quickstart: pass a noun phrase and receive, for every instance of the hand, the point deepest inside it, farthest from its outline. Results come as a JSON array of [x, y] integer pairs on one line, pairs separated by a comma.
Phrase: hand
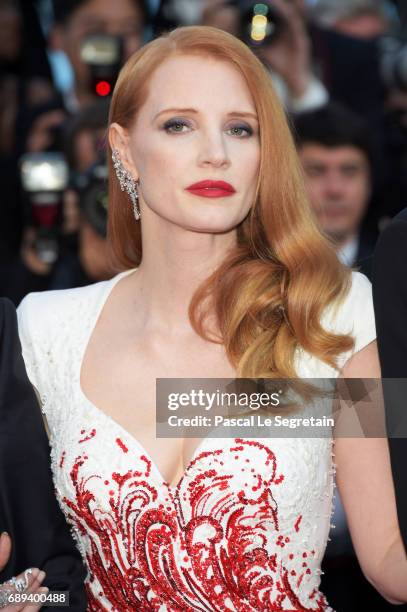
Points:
[[33, 577], [290, 55], [29, 254], [41, 134]]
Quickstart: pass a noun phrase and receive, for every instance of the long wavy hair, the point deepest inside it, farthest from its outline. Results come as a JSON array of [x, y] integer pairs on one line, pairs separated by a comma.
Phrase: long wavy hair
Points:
[[270, 292]]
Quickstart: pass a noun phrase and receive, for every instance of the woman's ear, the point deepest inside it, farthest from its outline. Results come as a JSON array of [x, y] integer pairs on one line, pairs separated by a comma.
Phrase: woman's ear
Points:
[[119, 140]]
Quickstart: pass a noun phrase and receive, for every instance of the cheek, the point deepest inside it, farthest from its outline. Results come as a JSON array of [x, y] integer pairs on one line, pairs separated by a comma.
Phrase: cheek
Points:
[[359, 193], [160, 171], [159, 167], [169, 159], [315, 188]]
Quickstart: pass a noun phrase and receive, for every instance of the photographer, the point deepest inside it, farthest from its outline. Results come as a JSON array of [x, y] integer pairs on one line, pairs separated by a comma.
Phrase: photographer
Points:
[[76, 20], [97, 37], [79, 224], [287, 52], [25, 84]]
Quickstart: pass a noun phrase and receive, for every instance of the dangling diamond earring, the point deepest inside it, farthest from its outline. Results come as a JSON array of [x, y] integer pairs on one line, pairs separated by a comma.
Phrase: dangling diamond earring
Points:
[[127, 182]]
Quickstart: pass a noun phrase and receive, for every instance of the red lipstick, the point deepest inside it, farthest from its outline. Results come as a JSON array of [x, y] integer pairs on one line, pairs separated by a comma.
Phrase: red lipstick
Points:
[[212, 189]]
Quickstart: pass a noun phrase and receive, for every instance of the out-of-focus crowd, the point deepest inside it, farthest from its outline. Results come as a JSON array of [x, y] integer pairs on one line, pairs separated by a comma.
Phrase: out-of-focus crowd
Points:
[[340, 68]]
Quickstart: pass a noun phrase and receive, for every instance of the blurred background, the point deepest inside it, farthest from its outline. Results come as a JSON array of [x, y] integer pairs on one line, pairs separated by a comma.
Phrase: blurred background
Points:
[[340, 69]]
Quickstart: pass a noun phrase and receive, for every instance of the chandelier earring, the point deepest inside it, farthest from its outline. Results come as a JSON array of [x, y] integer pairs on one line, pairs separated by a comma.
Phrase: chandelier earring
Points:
[[127, 182]]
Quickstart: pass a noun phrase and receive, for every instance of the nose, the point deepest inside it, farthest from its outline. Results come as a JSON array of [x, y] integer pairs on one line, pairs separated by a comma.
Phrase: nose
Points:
[[213, 151], [334, 185]]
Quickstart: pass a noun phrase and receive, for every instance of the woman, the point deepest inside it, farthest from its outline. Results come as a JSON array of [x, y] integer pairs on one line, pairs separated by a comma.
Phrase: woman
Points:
[[28, 511], [232, 279]]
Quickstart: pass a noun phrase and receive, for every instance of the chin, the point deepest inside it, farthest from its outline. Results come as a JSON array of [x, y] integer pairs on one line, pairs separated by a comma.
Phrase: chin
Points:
[[216, 222], [210, 228]]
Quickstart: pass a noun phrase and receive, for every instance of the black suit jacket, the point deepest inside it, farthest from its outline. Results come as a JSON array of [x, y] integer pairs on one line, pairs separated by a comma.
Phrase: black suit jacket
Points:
[[390, 302], [29, 511]]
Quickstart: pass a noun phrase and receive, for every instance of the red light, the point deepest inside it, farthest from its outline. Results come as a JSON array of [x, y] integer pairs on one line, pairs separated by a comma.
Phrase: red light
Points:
[[103, 88]]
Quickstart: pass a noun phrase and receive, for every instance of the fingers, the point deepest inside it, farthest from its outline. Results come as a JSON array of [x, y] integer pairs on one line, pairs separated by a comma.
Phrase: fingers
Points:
[[26, 583], [35, 588], [294, 24], [5, 549]]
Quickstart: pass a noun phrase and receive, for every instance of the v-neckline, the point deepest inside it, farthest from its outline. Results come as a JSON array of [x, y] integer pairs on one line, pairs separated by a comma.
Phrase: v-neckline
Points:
[[111, 284], [129, 436]]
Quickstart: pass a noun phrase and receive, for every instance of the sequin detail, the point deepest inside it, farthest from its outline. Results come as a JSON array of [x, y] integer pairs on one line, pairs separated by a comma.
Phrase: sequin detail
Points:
[[212, 543]]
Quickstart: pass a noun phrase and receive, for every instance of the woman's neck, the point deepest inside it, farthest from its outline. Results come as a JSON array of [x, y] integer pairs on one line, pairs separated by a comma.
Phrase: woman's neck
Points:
[[170, 272]]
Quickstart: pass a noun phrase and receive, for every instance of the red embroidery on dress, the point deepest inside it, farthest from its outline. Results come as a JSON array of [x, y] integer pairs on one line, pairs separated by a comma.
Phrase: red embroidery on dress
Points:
[[90, 435], [205, 548], [121, 444], [61, 461], [297, 523]]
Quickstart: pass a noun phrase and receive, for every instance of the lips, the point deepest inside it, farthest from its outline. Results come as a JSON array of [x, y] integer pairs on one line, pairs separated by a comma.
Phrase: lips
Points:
[[212, 189]]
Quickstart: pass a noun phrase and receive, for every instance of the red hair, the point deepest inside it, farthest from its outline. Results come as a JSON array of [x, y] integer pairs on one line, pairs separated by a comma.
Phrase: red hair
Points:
[[270, 292]]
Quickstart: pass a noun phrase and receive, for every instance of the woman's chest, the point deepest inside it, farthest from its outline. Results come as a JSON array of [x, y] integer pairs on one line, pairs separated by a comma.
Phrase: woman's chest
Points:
[[242, 505], [98, 464], [123, 380]]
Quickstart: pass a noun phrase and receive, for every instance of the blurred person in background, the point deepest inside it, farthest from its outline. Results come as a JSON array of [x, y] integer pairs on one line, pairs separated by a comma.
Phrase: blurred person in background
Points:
[[83, 256], [120, 28], [336, 152], [77, 20], [86, 200], [25, 84], [357, 18], [288, 54], [346, 38]]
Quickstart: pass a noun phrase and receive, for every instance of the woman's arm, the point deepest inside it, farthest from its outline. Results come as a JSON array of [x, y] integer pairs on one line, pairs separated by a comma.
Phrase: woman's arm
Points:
[[366, 488]]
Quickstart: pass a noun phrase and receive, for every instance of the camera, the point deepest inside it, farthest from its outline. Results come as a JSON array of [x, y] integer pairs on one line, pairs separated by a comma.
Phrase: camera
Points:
[[103, 53], [260, 23], [91, 187], [44, 178]]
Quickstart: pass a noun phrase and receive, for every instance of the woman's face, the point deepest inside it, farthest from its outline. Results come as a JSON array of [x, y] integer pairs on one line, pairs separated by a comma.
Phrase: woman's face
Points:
[[198, 124]]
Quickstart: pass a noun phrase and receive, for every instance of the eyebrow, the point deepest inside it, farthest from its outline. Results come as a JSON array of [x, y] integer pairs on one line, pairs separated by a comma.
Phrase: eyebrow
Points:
[[194, 111]]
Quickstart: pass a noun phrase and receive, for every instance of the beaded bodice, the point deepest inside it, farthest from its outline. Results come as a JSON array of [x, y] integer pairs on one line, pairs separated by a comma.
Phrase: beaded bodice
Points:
[[244, 529]]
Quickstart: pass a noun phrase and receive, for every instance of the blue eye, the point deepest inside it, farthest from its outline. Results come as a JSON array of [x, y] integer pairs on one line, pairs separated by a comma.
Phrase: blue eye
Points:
[[241, 130], [175, 126]]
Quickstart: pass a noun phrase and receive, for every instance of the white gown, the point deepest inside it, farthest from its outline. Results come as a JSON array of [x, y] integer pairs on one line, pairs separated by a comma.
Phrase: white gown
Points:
[[247, 525]]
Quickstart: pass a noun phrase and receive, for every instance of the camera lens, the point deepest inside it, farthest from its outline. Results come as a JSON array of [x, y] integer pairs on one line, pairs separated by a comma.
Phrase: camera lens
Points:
[[260, 23]]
